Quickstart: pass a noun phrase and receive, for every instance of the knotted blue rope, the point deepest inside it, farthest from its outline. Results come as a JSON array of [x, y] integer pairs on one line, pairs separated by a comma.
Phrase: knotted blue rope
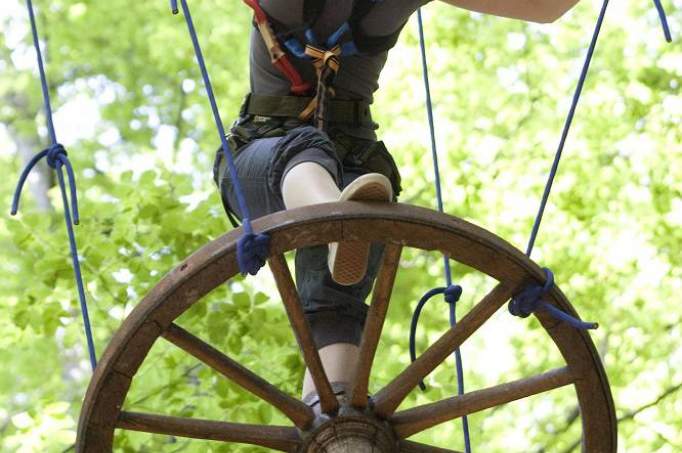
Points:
[[516, 307], [450, 291], [531, 300], [451, 294], [57, 158], [252, 249], [571, 112]]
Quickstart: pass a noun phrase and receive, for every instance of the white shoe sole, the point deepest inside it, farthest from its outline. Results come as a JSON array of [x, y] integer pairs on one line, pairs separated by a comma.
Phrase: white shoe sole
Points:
[[348, 260]]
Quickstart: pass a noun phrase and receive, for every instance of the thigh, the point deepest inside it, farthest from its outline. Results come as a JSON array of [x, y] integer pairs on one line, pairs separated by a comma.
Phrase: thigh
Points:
[[263, 162], [253, 165]]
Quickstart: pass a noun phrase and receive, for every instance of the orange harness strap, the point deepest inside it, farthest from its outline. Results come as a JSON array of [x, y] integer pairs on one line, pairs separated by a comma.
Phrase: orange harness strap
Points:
[[277, 56]]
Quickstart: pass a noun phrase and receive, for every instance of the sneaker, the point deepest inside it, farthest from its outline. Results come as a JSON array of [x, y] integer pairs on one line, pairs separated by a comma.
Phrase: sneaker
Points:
[[348, 260]]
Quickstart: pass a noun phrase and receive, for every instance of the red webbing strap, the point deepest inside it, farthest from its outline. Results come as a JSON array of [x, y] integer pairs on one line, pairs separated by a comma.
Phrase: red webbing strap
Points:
[[278, 57]]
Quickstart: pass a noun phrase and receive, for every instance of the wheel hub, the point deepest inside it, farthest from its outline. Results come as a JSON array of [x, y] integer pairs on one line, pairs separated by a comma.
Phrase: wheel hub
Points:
[[349, 432]]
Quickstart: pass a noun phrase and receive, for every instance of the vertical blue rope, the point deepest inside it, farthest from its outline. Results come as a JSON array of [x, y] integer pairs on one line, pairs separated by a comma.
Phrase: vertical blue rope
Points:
[[77, 271], [252, 249], [227, 154], [664, 20], [439, 196], [56, 159], [567, 127]]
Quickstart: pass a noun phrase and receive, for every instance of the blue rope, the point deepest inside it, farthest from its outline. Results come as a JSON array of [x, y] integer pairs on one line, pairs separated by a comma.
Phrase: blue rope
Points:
[[531, 300], [571, 113], [567, 126], [664, 20], [528, 301], [57, 158], [450, 289], [451, 294], [252, 249]]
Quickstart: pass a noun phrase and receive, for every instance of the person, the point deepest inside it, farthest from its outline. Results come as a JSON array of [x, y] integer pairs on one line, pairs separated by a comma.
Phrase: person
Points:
[[305, 135]]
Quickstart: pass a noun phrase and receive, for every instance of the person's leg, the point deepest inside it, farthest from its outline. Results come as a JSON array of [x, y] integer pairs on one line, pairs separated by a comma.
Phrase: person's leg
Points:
[[252, 164], [308, 183], [335, 312], [338, 361]]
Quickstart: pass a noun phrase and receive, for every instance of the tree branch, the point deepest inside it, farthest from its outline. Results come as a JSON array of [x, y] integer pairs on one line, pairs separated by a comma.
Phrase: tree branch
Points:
[[633, 413]]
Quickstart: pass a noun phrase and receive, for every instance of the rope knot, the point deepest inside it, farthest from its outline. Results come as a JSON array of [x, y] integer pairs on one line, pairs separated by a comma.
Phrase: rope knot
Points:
[[56, 158], [252, 252], [54, 155], [530, 298], [452, 294]]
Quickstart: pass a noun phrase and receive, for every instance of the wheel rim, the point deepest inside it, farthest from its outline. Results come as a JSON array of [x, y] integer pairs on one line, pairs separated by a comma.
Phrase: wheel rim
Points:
[[397, 226]]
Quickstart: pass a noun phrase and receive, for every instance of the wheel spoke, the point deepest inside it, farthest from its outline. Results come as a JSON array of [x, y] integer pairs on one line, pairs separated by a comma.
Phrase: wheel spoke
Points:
[[300, 414], [374, 323], [412, 421], [389, 398], [280, 438], [292, 304], [413, 447]]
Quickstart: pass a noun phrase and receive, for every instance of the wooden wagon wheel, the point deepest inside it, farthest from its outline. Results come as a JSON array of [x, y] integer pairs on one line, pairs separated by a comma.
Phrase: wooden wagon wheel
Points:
[[355, 425]]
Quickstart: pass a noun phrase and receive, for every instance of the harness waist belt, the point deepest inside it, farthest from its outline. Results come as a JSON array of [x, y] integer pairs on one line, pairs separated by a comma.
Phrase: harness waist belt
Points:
[[349, 113]]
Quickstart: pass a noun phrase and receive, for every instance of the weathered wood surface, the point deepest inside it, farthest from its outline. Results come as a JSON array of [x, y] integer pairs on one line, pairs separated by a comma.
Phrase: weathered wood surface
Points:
[[412, 421], [390, 397], [304, 335], [374, 324], [396, 224], [281, 438], [413, 447], [300, 414]]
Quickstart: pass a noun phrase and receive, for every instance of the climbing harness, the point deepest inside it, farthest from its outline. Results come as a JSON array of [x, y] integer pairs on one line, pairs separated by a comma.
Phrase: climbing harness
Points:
[[252, 249], [278, 57], [57, 158], [531, 298], [343, 112], [325, 57]]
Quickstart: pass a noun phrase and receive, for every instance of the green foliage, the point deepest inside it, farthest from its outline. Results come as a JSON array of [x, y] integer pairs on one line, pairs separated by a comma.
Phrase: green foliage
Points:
[[612, 232]]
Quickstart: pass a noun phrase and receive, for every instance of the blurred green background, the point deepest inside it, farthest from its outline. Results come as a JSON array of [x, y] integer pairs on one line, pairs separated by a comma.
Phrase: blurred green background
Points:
[[131, 112]]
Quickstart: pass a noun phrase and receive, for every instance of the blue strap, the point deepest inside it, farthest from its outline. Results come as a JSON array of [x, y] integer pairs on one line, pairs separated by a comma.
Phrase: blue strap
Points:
[[297, 49], [252, 249], [57, 158], [531, 300], [446, 263], [335, 37]]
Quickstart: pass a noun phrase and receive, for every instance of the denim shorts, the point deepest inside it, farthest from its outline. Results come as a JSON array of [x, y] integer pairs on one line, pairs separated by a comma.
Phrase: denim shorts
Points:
[[335, 313]]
